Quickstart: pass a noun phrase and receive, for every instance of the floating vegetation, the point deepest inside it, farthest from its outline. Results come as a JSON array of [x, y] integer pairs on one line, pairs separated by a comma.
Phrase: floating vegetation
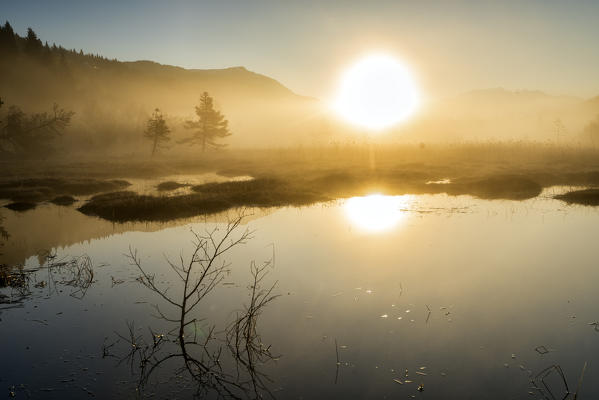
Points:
[[557, 388], [541, 350], [552, 384], [17, 280], [170, 185], [35, 190], [76, 273], [64, 200], [208, 198], [21, 206], [587, 197]]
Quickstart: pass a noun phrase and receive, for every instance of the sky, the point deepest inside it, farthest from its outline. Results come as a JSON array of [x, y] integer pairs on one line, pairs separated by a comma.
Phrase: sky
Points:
[[450, 46]]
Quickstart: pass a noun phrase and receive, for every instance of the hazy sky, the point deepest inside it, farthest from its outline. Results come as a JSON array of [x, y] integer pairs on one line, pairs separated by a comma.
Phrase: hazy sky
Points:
[[452, 46]]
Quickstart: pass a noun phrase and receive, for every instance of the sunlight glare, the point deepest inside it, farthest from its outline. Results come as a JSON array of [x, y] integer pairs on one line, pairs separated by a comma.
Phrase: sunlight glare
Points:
[[376, 93], [376, 212]]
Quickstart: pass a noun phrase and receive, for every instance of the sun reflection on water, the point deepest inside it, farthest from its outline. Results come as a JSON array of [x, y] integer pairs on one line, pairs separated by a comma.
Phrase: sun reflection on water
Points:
[[376, 212]]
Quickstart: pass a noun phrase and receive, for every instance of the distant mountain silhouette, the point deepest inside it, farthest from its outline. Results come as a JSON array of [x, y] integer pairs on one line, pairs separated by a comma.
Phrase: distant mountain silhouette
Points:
[[497, 98], [501, 114], [112, 99]]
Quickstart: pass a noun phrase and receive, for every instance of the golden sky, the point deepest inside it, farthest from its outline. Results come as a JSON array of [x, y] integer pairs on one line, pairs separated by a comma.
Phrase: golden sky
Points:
[[452, 46]]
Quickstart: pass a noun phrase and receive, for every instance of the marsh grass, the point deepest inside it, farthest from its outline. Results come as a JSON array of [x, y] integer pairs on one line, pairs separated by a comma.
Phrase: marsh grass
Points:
[[19, 282], [64, 200], [458, 158], [511, 187], [302, 176], [170, 185], [207, 199], [21, 206], [58, 191], [588, 197], [13, 277], [212, 198]]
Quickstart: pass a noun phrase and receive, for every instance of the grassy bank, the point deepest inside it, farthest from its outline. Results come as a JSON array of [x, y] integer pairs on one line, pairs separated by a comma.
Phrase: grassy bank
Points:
[[446, 160], [206, 199], [264, 192], [26, 193], [588, 197], [300, 176]]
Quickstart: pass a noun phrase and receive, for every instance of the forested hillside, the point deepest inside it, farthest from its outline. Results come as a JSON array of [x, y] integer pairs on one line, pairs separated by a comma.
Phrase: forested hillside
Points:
[[111, 100]]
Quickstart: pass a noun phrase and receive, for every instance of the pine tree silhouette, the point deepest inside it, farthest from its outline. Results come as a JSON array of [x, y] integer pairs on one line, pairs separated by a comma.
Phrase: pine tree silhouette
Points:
[[210, 127], [157, 131], [33, 45], [8, 39]]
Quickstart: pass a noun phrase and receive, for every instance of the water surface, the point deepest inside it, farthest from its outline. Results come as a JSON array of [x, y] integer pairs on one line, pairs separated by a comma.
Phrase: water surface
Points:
[[451, 293]]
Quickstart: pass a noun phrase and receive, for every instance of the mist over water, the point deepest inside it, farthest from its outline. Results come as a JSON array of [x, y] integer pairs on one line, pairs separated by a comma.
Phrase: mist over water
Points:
[[258, 200]]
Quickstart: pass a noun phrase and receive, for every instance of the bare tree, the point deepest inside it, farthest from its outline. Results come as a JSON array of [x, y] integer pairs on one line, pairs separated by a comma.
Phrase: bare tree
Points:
[[33, 133]]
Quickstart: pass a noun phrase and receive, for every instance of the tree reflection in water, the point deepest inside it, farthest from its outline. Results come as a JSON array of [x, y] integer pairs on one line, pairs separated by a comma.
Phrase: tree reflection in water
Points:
[[225, 363]]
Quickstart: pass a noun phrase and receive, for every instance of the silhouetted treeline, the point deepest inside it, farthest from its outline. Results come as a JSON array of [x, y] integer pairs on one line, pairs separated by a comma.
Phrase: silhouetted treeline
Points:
[[31, 46], [37, 73], [113, 100]]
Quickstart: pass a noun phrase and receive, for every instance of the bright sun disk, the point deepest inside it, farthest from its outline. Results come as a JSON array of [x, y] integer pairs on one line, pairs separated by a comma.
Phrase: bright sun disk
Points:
[[376, 93]]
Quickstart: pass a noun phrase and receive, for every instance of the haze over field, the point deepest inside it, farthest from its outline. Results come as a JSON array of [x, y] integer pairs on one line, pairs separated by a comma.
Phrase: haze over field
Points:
[[386, 199], [518, 91]]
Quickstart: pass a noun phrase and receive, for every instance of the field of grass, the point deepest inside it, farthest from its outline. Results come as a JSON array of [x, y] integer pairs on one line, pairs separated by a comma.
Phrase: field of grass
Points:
[[297, 176], [207, 199], [25, 193]]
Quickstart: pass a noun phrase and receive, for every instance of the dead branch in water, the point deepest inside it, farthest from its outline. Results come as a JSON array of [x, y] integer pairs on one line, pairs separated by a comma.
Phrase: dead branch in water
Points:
[[202, 358]]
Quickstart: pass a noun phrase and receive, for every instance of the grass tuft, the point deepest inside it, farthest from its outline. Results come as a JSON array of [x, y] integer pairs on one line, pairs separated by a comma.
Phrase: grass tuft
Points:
[[587, 197], [21, 206], [170, 185]]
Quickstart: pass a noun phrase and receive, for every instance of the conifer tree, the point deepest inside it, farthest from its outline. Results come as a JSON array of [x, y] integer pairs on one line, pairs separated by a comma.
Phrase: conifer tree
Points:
[[157, 131], [210, 127], [8, 40], [33, 45]]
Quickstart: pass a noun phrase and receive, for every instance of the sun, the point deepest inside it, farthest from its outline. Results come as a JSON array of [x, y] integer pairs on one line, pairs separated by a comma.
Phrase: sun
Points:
[[376, 92]]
